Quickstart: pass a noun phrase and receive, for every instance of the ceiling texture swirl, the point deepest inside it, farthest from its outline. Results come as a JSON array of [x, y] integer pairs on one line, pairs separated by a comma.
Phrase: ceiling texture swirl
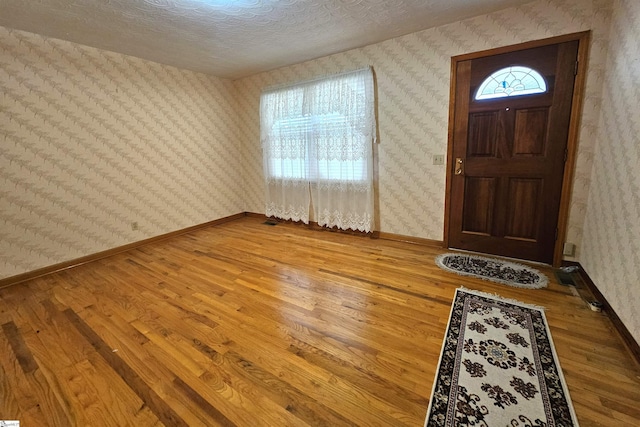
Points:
[[234, 38]]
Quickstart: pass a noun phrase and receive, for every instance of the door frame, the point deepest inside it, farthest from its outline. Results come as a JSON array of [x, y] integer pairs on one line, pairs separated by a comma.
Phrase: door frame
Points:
[[583, 39]]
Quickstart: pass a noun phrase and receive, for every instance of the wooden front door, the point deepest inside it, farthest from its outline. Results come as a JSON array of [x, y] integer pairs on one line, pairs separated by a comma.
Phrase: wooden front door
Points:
[[509, 152]]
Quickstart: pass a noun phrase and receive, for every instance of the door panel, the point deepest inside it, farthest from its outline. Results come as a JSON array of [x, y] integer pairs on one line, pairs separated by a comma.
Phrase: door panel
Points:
[[530, 136], [524, 199], [507, 198], [479, 199], [482, 134]]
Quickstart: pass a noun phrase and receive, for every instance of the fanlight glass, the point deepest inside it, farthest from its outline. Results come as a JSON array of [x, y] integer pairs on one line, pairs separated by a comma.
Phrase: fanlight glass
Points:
[[512, 81]]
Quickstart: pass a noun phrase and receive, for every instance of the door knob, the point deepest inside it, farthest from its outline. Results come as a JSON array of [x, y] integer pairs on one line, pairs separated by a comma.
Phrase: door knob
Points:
[[459, 166]]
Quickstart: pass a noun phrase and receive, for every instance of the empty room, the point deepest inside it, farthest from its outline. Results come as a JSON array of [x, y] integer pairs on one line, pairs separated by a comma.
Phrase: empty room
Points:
[[319, 213]]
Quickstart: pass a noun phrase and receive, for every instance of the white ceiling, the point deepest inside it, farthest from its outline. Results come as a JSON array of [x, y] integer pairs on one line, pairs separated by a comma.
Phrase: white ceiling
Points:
[[235, 38]]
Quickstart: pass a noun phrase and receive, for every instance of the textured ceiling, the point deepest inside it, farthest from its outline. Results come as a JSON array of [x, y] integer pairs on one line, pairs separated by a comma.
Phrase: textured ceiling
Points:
[[234, 38]]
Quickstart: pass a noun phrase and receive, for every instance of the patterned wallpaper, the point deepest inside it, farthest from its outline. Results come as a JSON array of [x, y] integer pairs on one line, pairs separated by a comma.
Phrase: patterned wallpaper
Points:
[[413, 74], [91, 141], [611, 241]]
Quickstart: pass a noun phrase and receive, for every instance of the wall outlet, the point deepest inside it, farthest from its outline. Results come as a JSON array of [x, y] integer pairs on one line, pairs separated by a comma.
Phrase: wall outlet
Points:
[[134, 226], [569, 249], [438, 159]]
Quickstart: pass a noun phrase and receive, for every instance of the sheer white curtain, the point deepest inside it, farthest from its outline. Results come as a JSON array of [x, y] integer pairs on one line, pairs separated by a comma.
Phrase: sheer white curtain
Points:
[[285, 153], [317, 139]]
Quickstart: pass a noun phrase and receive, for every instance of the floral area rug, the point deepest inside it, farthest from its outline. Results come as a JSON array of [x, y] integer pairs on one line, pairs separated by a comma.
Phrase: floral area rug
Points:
[[495, 270], [498, 367]]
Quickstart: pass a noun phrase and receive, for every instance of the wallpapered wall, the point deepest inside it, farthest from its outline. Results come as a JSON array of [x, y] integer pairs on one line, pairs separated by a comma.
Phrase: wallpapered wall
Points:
[[611, 252], [92, 141], [413, 76]]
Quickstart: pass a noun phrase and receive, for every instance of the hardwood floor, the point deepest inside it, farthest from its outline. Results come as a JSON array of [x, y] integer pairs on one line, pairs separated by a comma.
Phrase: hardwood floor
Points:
[[248, 324]]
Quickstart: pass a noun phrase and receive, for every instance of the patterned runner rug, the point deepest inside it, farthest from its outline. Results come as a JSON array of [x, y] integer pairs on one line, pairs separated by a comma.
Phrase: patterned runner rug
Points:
[[498, 367], [495, 270]]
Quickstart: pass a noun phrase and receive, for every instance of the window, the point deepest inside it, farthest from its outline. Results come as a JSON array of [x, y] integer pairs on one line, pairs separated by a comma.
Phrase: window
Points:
[[319, 130], [347, 168], [317, 142], [511, 81]]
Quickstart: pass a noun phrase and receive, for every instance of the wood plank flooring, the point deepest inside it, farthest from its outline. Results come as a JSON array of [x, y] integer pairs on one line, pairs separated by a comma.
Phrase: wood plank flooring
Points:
[[245, 324]]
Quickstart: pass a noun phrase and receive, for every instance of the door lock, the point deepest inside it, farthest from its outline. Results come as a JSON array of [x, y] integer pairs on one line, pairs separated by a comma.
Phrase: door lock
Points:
[[459, 166]]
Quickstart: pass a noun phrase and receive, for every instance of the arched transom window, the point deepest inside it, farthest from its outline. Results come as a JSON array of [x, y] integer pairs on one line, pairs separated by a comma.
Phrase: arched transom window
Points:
[[512, 81]]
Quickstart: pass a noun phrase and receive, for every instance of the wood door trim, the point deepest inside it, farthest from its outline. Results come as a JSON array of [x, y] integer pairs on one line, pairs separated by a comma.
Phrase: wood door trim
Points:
[[572, 144], [583, 39]]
